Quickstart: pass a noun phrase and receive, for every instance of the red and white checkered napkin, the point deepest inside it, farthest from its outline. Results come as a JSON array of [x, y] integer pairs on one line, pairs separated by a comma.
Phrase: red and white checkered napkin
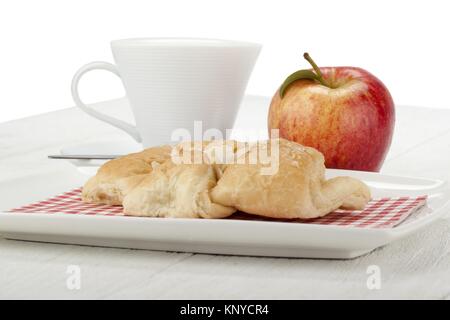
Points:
[[379, 213]]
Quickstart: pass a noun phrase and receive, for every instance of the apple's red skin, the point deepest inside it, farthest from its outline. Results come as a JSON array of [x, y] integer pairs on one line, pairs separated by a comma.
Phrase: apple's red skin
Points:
[[351, 124]]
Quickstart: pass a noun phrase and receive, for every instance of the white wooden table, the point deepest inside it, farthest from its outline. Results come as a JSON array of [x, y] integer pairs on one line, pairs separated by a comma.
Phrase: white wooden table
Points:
[[416, 267]]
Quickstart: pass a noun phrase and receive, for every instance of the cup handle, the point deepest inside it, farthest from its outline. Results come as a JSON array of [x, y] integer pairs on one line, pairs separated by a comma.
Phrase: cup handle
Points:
[[128, 128]]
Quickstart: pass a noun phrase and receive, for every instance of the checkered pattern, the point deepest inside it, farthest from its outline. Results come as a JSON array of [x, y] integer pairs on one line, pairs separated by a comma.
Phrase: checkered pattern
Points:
[[380, 213], [70, 203]]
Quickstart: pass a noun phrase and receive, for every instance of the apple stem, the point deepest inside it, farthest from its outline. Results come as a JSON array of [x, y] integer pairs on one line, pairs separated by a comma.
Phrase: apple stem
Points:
[[316, 69]]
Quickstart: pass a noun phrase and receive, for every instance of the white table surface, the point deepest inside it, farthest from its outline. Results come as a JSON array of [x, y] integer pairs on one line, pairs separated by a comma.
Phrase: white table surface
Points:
[[415, 267]]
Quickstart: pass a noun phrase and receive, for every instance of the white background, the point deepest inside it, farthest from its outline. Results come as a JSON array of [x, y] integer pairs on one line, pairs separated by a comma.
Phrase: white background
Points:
[[42, 43]]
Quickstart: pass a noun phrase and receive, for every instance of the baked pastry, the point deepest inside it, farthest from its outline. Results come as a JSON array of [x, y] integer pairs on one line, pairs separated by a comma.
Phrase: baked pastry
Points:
[[180, 187], [177, 191], [119, 176], [297, 190], [214, 179]]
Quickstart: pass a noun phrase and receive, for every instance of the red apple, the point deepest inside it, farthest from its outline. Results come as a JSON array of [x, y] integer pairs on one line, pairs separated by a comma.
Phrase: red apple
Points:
[[344, 112]]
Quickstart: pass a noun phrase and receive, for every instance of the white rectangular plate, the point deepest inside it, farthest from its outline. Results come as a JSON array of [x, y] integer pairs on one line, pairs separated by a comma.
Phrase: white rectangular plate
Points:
[[237, 237]]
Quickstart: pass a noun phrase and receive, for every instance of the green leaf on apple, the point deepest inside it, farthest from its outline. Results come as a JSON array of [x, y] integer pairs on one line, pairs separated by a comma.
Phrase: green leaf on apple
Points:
[[315, 75], [298, 75]]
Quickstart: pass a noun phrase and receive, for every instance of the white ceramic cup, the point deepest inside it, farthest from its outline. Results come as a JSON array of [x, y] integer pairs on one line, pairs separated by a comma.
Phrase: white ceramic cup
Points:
[[172, 82]]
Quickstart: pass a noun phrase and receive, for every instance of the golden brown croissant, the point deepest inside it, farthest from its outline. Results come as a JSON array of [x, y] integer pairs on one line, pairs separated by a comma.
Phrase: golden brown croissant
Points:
[[297, 190], [291, 185], [119, 176]]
